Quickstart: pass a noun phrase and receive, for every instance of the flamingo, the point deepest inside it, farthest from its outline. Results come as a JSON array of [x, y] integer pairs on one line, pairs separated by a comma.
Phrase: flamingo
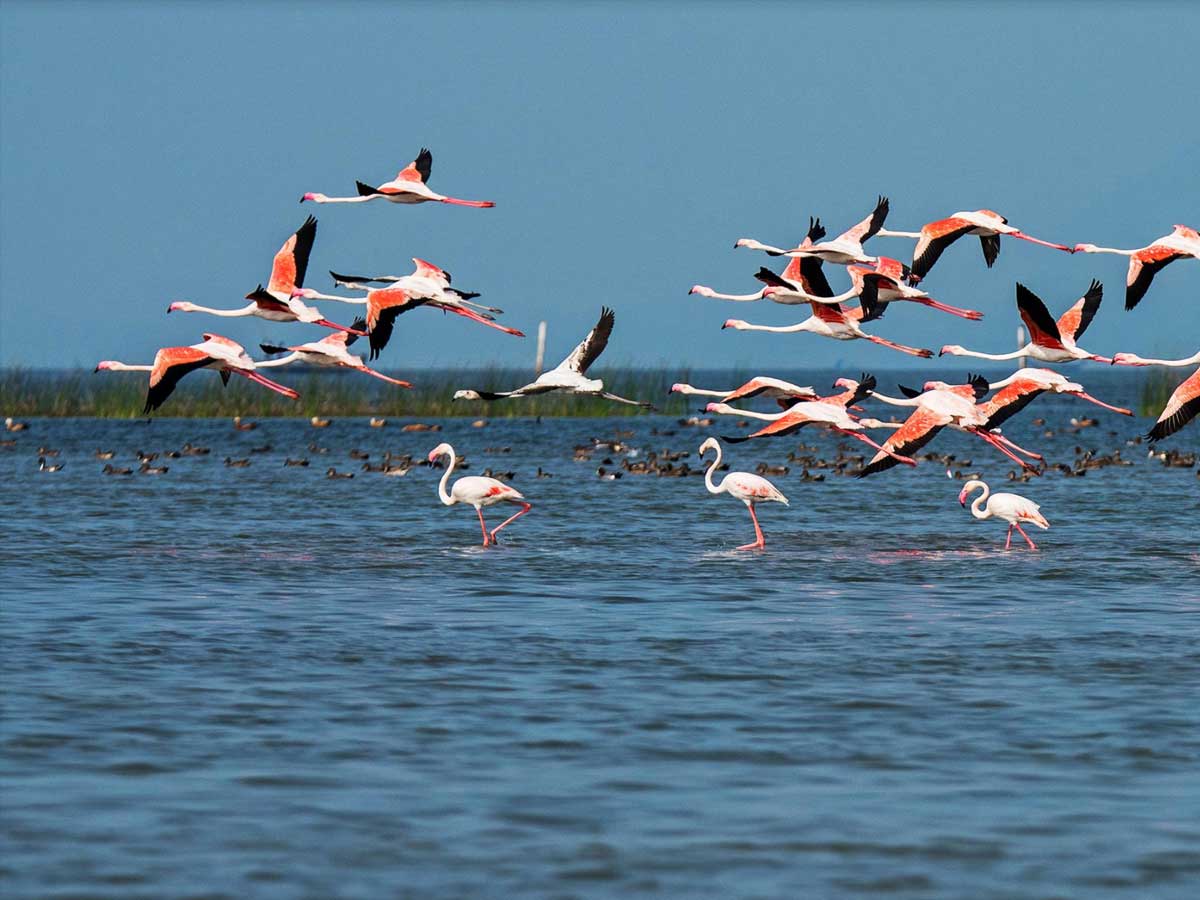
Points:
[[1053, 342], [329, 351], [937, 406], [172, 363], [1144, 262], [846, 248], [426, 279], [935, 237], [1183, 404], [831, 322], [478, 491], [1012, 508], [886, 282], [568, 376], [275, 302], [407, 187], [804, 275], [784, 392], [1021, 388], [748, 488]]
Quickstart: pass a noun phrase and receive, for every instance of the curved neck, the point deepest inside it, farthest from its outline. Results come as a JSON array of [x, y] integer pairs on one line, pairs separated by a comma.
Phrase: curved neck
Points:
[[977, 509], [708, 475], [443, 494]]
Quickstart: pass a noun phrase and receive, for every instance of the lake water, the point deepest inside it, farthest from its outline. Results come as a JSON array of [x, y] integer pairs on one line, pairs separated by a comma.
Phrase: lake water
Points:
[[231, 683]]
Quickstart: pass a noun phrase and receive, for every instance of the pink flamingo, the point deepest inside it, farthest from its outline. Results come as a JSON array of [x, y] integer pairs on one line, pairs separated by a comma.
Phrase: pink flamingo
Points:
[[407, 187], [1012, 508], [935, 237], [478, 491], [831, 322], [1024, 386], [329, 351], [748, 488], [784, 392], [1183, 404], [1145, 262], [172, 363], [846, 248]]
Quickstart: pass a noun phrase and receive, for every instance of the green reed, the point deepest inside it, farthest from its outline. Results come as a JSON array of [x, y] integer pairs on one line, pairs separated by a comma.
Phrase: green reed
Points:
[[1156, 390], [25, 392]]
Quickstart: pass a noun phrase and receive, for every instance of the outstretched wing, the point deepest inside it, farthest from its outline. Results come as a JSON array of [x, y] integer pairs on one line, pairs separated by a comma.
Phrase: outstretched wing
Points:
[[1143, 266], [1183, 406], [1010, 400], [918, 430], [291, 262], [936, 237], [1074, 322], [170, 365], [592, 346], [418, 169], [868, 226], [1042, 328]]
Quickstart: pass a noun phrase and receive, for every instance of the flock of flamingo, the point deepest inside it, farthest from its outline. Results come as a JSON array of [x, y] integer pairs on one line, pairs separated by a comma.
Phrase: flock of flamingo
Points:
[[875, 282]]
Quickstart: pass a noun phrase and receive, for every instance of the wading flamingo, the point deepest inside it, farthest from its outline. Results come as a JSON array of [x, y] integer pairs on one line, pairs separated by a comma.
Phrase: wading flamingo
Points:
[[989, 226], [831, 322], [1024, 386], [172, 363], [276, 302], [478, 491], [568, 376], [1184, 403], [748, 488], [330, 351], [1052, 342], [407, 187], [1012, 508], [1145, 262]]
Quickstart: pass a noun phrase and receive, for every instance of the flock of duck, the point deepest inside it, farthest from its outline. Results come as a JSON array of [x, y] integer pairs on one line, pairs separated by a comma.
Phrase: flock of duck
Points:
[[875, 282]]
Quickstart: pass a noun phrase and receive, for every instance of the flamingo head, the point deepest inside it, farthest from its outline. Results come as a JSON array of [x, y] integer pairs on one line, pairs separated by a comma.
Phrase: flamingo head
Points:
[[440, 450], [847, 384], [733, 323], [319, 198], [680, 388], [745, 242], [936, 386], [303, 293], [771, 290], [951, 349], [1084, 248], [105, 365], [709, 443], [1126, 359], [466, 395], [181, 306], [699, 289]]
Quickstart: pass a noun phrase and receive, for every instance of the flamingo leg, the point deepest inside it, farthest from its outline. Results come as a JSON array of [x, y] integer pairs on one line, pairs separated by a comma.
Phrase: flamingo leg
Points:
[[972, 314], [1007, 443], [380, 375], [327, 324], [1083, 395], [482, 526], [1032, 545], [1008, 539], [525, 507], [1025, 237], [995, 443], [267, 383], [478, 204], [908, 461], [759, 541], [476, 317], [911, 351]]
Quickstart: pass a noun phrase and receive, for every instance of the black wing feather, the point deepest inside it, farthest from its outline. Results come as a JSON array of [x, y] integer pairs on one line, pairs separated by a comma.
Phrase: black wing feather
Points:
[[424, 163], [161, 391], [1181, 417], [1091, 304], [991, 247], [305, 235], [1031, 304]]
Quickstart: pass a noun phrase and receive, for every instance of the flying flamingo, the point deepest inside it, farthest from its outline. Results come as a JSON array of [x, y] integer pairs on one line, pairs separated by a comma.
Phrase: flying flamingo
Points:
[[1012, 508], [1145, 262], [803, 275], [846, 248], [407, 187], [426, 279], [940, 405], [831, 322], [1184, 403], [1021, 388], [935, 237], [569, 376], [172, 363], [748, 488], [784, 392], [275, 302], [329, 351], [478, 491], [1053, 342]]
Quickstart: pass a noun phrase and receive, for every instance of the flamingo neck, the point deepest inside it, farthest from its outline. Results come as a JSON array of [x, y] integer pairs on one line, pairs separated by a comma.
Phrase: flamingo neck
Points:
[[443, 494], [977, 509], [227, 313], [708, 475], [1024, 351], [1115, 250], [895, 401], [709, 292], [122, 367], [282, 361]]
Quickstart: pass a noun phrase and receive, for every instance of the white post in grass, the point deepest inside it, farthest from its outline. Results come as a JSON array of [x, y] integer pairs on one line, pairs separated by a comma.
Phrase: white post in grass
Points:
[[1020, 344], [541, 349]]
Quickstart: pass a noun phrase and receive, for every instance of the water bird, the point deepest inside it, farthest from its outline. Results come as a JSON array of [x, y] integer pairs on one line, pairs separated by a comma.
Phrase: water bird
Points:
[[318, 422], [240, 425], [1052, 342], [330, 351], [569, 375], [844, 249], [232, 463], [785, 392], [42, 467], [420, 426], [189, 450], [409, 186], [147, 469], [172, 363], [426, 280], [275, 302], [377, 423], [1024, 386], [47, 451], [477, 491], [110, 469], [1146, 262], [302, 462], [748, 488], [105, 454], [987, 225], [331, 472], [10, 424], [1011, 508], [265, 448], [1184, 402]]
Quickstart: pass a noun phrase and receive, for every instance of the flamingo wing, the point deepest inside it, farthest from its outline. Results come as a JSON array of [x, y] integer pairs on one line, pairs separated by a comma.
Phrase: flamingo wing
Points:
[[1074, 322], [170, 365], [1143, 266], [1010, 400], [991, 248], [429, 270], [788, 423], [1180, 409], [936, 237], [592, 346], [291, 262], [868, 226], [1042, 328], [382, 309], [918, 430], [268, 302], [418, 169]]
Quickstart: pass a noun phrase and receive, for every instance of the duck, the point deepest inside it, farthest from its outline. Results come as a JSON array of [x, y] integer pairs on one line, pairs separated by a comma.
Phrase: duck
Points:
[[42, 467], [541, 474], [110, 469], [189, 450], [420, 426], [11, 424], [331, 472], [148, 469], [377, 423], [46, 451], [236, 463], [605, 475], [265, 448], [105, 454], [318, 422], [243, 426], [295, 462], [359, 454], [313, 448], [763, 469]]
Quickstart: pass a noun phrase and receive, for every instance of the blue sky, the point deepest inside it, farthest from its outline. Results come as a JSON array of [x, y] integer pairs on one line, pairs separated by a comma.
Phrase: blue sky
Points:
[[157, 152]]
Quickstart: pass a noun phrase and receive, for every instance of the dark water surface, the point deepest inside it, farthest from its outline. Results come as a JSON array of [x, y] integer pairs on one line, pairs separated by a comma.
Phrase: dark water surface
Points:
[[261, 683]]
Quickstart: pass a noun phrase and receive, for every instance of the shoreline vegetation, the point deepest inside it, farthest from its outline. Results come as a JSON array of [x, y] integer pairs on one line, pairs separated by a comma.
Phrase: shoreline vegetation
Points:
[[324, 392]]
